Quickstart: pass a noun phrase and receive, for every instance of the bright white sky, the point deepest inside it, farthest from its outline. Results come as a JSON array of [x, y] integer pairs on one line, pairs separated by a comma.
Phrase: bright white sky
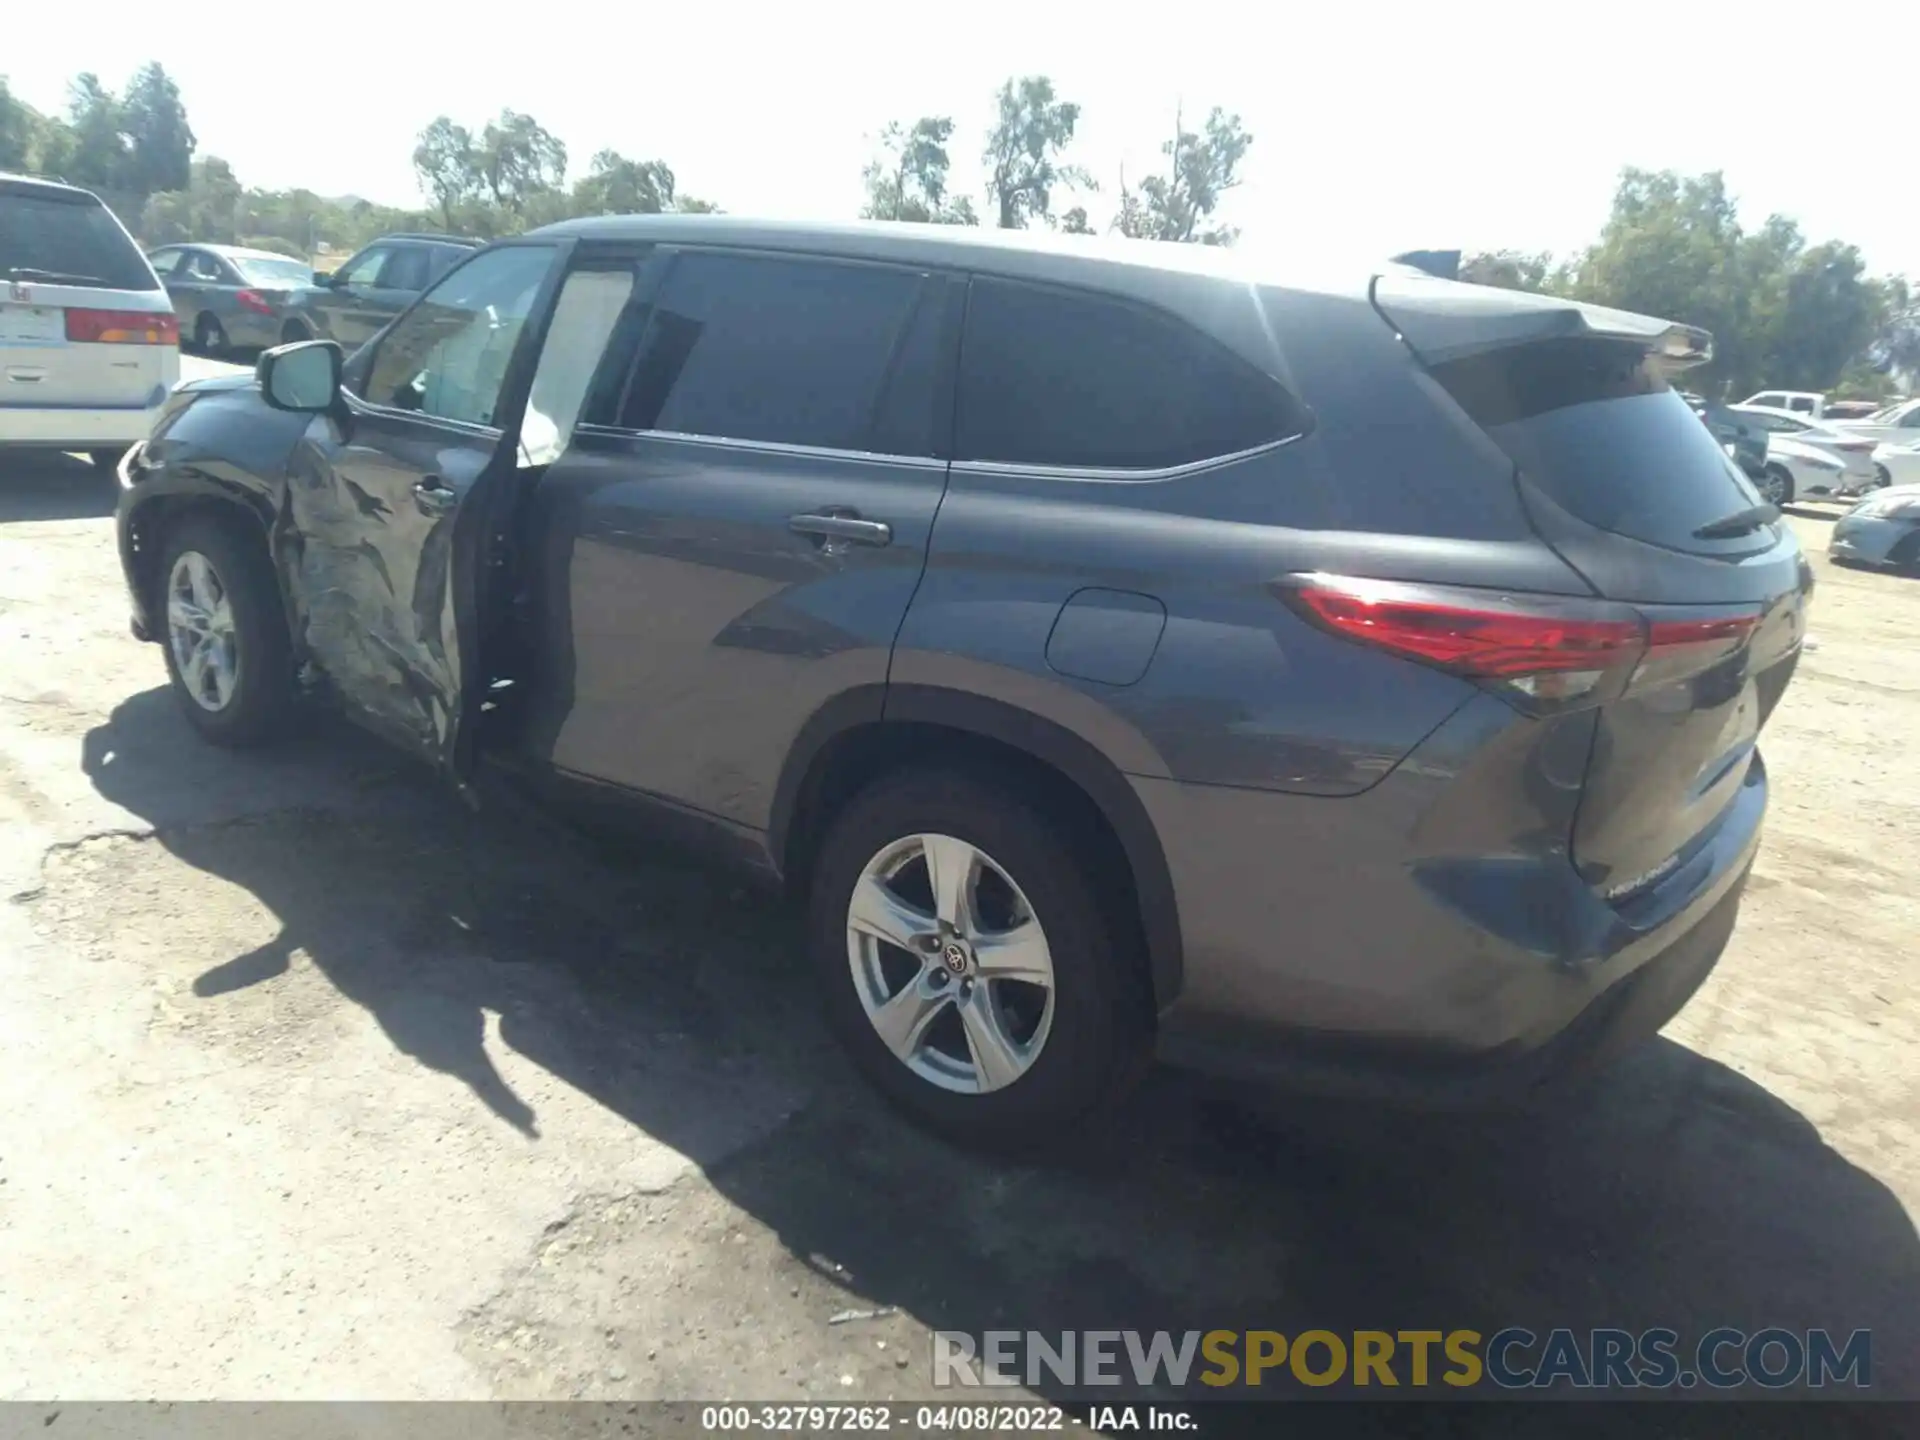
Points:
[[1477, 124]]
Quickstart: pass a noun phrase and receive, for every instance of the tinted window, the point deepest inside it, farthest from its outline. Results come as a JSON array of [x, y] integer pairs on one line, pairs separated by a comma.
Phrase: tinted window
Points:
[[408, 269], [442, 258], [1599, 430], [793, 351], [448, 355], [1052, 377], [66, 240]]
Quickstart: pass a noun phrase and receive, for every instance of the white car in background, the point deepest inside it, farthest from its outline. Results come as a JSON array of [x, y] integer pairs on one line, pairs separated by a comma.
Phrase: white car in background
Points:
[[1854, 452], [1898, 463], [1796, 470], [1898, 422], [89, 344]]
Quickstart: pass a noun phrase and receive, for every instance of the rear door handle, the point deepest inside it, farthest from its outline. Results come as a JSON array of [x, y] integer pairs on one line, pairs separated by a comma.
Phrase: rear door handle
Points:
[[846, 527], [433, 496]]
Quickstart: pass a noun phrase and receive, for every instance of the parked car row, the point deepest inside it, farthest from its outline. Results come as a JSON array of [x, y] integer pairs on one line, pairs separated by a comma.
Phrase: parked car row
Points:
[[229, 297]]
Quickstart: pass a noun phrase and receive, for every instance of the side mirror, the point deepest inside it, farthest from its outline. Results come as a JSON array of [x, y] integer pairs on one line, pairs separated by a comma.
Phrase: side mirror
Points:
[[304, 378]]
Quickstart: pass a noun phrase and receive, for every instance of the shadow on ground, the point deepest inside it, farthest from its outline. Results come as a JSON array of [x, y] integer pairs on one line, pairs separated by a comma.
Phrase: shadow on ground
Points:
[[1679, 1194], [49, 485]]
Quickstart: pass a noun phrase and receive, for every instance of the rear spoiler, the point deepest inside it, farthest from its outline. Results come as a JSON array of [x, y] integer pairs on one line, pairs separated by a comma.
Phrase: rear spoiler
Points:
[[1444, 320]]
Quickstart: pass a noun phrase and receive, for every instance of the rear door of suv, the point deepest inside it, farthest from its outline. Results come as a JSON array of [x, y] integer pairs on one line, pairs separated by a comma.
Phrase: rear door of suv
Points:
[[84, 324], [735, 530], [1624, 482]]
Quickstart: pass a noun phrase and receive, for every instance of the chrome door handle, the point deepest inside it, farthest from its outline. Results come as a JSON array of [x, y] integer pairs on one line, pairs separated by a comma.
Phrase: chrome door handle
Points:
[[850, 528], [433, 496]]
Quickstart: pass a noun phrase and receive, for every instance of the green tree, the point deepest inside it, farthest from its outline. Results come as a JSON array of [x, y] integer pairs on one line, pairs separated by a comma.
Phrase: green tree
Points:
[[907, 180], [99, 155], [160, 142], [1201, 168], [518, 159], [19, 129], [1782, 313], [1031, 130], [445, 159]]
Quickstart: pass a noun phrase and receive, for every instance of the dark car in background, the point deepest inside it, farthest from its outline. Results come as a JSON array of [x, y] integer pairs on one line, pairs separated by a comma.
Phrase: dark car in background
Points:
[[352, 303], [1055, 619], [1743, 437], [228, 296]]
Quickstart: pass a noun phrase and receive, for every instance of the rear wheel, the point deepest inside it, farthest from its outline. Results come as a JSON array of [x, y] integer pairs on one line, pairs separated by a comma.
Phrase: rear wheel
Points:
[[224, 631], [968, 966], [295, 331], [1776, 486], [209, 335]]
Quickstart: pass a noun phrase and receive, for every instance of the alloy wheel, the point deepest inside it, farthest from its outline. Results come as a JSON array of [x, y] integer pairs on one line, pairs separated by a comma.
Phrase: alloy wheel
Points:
[[1776, 488], [950, 963], [201, 631]]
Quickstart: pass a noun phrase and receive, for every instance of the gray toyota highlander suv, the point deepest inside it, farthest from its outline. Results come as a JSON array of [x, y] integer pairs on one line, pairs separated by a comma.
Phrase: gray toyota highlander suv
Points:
[[1115, 647]]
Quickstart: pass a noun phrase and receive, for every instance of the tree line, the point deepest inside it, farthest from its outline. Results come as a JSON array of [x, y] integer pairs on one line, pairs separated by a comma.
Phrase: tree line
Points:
[[1784, 312]]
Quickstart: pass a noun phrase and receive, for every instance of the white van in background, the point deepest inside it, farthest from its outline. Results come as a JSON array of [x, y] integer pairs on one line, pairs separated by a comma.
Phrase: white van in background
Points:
[[89, 343]]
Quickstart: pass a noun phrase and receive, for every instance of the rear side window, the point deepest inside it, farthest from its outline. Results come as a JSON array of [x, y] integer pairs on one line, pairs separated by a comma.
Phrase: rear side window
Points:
[[408, 269], [797, 352], [1598, 429], [66, 240], [1060, 378]]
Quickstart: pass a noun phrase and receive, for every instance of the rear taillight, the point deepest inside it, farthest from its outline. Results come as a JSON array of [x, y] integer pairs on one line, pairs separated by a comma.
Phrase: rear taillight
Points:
[[253, 300], [123, 327], [1541, 652]]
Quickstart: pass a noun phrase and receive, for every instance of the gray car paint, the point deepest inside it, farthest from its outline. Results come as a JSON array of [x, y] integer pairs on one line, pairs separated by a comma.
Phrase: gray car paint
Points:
[[1323, 839]]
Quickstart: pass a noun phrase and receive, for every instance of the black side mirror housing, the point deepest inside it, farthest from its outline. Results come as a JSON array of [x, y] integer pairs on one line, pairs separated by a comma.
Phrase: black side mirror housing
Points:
[[303, 378]]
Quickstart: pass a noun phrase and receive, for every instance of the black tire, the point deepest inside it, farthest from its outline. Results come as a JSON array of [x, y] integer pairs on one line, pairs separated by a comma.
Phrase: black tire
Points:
[[295, 331], [209, 336], [1776, 486], [1100, 1037], [260, 706]]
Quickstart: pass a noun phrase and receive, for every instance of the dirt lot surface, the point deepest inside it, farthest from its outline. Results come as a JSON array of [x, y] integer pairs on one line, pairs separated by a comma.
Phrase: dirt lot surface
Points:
[[318, 1085]]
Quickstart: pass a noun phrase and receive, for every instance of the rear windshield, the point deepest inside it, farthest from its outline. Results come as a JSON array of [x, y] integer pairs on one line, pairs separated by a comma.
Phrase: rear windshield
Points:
[[272, 270], [1598, 429], [67, 241]]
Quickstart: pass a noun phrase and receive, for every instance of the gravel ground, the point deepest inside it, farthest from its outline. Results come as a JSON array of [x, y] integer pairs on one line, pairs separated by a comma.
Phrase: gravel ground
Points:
[[322, 1086]]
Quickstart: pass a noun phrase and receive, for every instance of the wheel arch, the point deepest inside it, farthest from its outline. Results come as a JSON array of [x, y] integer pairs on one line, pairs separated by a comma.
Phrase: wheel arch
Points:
[[864, 733], [152, 515]]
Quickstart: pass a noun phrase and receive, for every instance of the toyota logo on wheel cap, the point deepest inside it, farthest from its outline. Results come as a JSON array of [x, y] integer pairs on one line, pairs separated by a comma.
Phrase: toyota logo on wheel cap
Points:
[[955, 958]]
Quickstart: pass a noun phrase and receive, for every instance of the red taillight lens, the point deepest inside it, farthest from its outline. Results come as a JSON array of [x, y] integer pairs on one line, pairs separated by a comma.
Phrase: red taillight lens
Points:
[[1538, 650], [122, 327], [1472, 633], [253, 300]]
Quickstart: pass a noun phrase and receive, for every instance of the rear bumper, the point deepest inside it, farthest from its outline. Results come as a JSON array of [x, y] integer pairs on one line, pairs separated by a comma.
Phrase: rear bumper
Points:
[[1318, 960], [64, 429]]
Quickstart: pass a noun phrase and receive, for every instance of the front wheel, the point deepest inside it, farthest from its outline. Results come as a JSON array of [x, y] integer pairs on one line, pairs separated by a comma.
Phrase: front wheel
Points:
[[224, 631], [295, 331], [1776, 486], [968, 966]]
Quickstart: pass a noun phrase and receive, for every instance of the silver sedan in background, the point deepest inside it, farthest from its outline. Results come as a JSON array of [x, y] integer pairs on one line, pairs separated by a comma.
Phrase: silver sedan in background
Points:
[[1883, 529], [228, 297]]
